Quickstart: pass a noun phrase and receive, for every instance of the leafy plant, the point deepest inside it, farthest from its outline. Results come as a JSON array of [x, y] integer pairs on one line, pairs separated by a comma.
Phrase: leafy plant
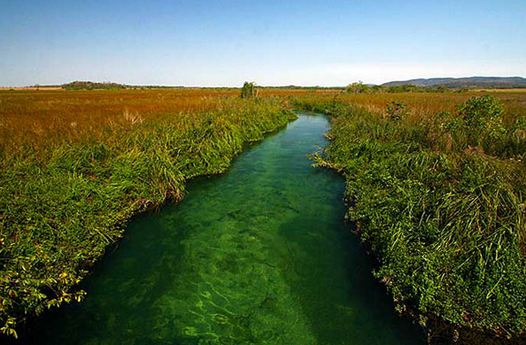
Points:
[[482, 118]]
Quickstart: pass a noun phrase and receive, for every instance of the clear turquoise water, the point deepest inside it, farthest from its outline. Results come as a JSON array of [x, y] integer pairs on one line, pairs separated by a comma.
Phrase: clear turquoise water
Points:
[[260, 255]]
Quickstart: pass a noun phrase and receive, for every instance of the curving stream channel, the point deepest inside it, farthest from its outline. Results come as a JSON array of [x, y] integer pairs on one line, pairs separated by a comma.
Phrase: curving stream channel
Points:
[[259, 255]]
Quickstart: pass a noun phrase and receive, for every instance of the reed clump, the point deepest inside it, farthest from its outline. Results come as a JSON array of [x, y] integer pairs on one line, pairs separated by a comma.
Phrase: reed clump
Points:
[[77, 165], [440, 200]]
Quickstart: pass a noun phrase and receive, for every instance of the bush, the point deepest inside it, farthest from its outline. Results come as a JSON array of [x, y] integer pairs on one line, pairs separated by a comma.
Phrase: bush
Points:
[[249, 90], [482, 118], [396, 111], [478, 125], [358, 87]]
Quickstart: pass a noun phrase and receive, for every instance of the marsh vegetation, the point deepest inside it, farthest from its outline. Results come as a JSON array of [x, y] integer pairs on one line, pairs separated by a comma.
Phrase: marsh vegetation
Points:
[[75, 166], [435, 188]]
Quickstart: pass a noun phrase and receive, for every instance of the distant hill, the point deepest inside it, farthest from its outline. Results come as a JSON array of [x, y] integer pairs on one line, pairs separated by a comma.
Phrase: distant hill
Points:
[[471, 82]]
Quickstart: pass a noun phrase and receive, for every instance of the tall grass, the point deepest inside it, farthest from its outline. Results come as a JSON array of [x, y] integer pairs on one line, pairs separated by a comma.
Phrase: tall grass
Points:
[[76, 165], [444, 214], [421, 105], [440, 202]]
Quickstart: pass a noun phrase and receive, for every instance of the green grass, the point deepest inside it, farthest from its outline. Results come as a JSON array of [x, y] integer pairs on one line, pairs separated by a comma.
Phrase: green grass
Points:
[[438, 196], [61, 206], [442, 206]]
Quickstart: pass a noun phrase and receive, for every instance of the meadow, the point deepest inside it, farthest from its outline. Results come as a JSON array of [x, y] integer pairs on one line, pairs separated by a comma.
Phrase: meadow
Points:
[[436, 191], [435, 188]]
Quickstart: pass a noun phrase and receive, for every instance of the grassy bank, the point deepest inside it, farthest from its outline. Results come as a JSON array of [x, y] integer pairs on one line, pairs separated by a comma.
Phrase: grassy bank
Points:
[[75, 166], [439, 198]]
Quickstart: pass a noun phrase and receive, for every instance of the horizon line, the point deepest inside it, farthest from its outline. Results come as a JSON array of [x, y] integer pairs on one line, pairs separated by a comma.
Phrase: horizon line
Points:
[[268, 86]]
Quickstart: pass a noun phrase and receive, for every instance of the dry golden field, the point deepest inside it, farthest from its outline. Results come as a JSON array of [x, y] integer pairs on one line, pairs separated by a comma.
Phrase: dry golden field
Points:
[[427, 104], [43, 117]]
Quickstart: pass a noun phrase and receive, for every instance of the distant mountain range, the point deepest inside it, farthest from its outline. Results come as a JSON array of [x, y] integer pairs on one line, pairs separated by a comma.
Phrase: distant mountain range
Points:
[[471, 82]]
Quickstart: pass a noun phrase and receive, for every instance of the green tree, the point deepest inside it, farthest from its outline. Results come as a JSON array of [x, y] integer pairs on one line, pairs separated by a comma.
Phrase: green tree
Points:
[[358, 87], [249, 90]]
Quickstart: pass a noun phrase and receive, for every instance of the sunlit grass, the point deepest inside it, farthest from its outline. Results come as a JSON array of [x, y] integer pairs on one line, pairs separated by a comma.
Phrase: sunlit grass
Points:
[[77, 165], [439, 198]]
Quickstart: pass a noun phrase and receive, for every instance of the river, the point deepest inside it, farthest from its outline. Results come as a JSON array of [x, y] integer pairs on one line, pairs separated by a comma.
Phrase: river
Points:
[[259, 255]]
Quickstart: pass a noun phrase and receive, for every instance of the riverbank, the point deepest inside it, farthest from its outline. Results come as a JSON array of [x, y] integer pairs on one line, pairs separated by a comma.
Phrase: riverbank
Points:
[[65, 198], [442, 209], [257, 255]]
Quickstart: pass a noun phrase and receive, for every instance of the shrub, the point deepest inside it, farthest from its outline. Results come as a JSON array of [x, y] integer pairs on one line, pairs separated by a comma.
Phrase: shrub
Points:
[[482, 118], [358, 87], [249, 90], [396, 110]]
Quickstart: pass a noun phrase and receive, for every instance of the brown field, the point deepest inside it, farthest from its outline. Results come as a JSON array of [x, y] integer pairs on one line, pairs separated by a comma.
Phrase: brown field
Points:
[[514, 90], [31, 88], [40, 118], [422, 104]]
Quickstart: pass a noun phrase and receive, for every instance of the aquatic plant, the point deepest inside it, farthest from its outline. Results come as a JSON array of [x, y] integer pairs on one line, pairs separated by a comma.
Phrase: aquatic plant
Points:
[[259, 255]]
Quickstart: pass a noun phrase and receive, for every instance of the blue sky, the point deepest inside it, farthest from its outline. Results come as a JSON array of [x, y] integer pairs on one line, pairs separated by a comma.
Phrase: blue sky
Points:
[[223, 43]]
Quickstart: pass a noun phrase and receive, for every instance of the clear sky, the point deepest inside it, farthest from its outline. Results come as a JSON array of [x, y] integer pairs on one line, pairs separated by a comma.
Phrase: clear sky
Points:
[[225, 42]]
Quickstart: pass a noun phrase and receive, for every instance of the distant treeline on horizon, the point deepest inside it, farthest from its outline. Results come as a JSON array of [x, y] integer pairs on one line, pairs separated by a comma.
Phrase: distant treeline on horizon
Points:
[[412, 85]]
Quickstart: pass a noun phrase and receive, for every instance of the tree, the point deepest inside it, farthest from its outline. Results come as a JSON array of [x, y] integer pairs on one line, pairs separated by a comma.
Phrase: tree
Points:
[[249, 90], [358, 87]]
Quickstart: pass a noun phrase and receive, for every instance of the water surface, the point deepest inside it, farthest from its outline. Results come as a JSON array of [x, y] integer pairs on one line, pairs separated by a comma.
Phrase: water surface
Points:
[[259, 255]]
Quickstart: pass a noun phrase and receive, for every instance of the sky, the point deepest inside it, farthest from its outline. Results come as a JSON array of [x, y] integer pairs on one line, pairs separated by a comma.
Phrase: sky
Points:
[[227, 42]]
